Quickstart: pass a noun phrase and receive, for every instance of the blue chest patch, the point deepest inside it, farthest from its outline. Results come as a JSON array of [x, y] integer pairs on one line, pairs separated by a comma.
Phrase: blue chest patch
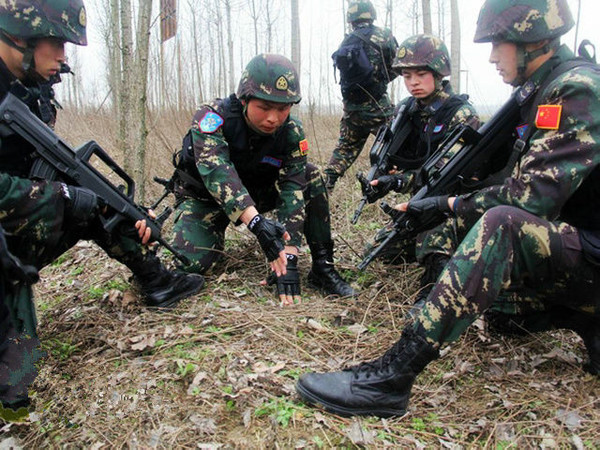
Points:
[[521, 130], [272, 161], [436, 129], [210, 122]]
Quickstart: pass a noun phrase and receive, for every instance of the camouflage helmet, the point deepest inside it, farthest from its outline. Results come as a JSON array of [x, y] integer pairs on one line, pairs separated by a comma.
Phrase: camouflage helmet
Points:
[[523, 21], [31, 19], [424, 50], [270, 77], [361, 10]]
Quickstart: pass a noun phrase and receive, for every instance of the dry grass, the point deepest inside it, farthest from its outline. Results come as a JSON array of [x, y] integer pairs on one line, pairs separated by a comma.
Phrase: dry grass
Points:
[[219, 371]]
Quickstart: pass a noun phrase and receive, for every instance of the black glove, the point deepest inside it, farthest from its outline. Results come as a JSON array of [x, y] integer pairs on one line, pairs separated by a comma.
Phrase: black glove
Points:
[[83, 205], [269, 234], [288, 284], [429, 204], [385, 184]]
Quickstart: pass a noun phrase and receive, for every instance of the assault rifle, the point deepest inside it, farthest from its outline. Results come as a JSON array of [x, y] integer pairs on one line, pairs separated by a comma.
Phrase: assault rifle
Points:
[[448, 173], [58, 160], [388, 141]]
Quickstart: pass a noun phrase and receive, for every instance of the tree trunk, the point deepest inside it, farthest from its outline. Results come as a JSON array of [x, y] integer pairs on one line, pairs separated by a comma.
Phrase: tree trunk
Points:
[[427, 27], [126, 103], [232, 72], [139, 86], [296, 35], [455, 45]]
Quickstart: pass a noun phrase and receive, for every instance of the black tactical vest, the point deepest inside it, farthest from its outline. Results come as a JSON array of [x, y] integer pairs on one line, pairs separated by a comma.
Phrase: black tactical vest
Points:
[[426, 135], [257, 159]]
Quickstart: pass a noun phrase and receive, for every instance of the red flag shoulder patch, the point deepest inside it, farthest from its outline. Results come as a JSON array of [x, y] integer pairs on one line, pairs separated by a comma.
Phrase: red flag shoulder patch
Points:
[[303, 147], [548, 117]]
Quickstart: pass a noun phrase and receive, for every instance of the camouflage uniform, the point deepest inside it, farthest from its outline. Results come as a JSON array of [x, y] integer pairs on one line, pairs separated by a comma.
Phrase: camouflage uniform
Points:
[[230, 166], [525, 234], [530, 244], [238, 168], [432, 119], [362, 119], [38, 216]]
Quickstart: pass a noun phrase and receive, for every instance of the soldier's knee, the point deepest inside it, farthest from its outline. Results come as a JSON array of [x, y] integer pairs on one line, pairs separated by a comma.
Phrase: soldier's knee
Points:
[[508, 217]]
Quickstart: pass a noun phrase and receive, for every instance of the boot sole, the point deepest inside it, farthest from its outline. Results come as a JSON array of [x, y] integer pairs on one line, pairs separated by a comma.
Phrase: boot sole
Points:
[[309, 397], [176, 299]]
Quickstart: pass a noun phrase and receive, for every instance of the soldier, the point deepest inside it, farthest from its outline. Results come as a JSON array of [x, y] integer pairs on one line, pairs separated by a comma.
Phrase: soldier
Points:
[[433, 111], [366, 103], [532, 233], [248, 156], [42, 219]]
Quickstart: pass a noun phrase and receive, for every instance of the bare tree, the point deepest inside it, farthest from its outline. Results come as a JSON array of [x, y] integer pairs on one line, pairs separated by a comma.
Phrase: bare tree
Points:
[[196, 64], [427, 26], [254, 16], [296, 35], [232, 73], [455, 45]]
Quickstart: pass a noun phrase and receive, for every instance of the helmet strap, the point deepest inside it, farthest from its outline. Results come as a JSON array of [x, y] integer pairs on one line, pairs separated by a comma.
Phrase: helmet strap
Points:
[[28, 63], [524, 57]]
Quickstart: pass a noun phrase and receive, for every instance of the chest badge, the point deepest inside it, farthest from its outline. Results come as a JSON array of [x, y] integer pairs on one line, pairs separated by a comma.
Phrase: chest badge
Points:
[[210, 122]]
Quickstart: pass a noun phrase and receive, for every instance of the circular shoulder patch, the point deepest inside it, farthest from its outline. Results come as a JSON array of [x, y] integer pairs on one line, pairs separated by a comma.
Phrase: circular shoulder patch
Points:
[[210, 122], [281, 84]]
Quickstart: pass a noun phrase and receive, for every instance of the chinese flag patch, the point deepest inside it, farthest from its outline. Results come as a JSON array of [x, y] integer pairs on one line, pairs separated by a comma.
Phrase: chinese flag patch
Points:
[[304, 147], [548, 117]]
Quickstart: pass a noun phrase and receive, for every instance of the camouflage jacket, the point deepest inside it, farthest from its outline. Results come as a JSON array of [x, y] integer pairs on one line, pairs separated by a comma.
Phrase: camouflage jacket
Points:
[[445, 110], [381, 55], [238, 166], [558, 177], [29, 209]]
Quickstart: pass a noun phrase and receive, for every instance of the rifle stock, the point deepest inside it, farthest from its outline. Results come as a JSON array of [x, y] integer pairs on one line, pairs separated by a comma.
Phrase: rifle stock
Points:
[[57, 158], [449, 174]]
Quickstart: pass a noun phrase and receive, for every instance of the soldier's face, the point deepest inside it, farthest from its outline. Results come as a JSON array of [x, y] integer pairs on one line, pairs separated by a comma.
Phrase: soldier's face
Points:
[[419, 82], [49, 53], [267, 116], [504, 56]]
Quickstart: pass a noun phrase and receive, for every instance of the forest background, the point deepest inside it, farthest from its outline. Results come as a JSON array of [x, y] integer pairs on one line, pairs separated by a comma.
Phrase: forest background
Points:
[[219, 370]]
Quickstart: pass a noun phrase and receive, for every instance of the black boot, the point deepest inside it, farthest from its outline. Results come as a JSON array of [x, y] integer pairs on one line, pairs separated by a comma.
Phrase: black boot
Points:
[[377, 388], [586, 326], [163, 288], [323, 274], [434, 264]]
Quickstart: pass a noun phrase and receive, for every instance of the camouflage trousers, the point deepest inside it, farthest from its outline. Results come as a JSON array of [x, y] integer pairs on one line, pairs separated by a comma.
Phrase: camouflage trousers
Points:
[[513, 262], [19, 343], [199, 228], [19, 347], [355, 128]]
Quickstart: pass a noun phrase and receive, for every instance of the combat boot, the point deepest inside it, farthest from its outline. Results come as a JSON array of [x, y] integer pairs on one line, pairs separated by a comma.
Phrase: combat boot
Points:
[[323, 274], [434, 264], [378, 388], [585, 325], [164, 288]]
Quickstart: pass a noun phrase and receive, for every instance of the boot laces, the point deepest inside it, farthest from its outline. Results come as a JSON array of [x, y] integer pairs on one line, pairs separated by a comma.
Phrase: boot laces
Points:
[[380, 364]]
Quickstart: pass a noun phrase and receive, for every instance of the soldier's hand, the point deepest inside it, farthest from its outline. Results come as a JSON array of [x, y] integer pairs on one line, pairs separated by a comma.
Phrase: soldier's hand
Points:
[[382, 186], [288, 284], [82, 204], [270, 235], [144, 232], [441, 203]]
